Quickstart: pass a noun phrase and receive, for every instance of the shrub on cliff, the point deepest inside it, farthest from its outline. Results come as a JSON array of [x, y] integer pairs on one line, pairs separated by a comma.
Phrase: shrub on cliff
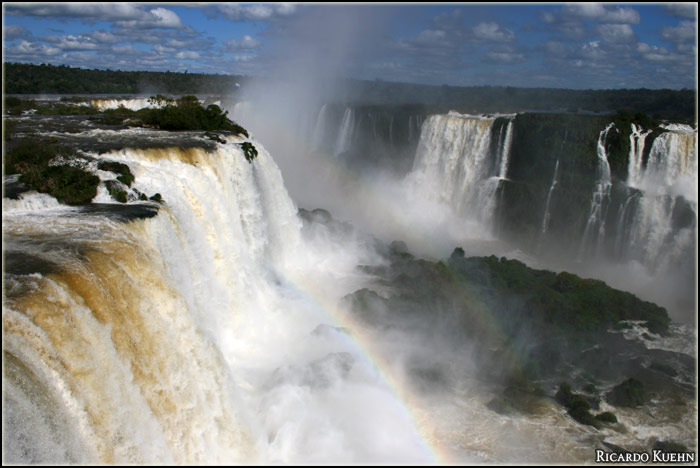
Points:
[[188, 114], [69, 185]]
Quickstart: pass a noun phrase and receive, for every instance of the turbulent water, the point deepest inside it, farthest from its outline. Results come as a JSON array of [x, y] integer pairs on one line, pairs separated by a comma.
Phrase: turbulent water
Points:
[[214, 332]]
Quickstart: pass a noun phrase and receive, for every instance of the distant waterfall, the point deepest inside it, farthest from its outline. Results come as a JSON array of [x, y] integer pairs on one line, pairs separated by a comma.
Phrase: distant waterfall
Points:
[[320, 129], [458, 163], [595, 227], [545, 217], [653, 233], [346, 132]]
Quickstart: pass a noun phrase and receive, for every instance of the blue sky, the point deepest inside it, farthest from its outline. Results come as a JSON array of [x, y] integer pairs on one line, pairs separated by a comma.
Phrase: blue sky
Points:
[[579, 46]]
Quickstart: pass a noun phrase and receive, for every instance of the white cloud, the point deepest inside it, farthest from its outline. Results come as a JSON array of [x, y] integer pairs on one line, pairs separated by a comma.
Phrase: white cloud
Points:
[[85, 11], [684, 10], [492, 32], [244, 44], [12, 32], [156, 18], [616, 33], [243, 58], [105, 37], [72, 42], [256, 12], [686, 31], [187, 55], [592, 51], [601, 13], [126, 50], [29, 48]]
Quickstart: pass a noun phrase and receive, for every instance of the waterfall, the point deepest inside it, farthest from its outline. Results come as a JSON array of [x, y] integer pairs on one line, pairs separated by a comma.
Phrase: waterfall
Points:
[[651, 235], [187, 337], [459, 165], [545, 217], [637, 140], [601, 196], [345, 133]]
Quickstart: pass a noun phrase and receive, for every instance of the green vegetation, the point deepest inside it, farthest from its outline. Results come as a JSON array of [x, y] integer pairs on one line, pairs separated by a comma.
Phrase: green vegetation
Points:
[[607, 417], [15, 106], [629, 393], [68, 184], [661, 104], [23, 78], [125, 175], [561, 302], [578, 407], [185, 113], [249, 151]]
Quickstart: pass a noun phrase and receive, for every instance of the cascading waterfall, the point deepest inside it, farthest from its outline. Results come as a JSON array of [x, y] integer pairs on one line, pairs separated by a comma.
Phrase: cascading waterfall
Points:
[[637, 141], [458, 164], [168, 339], [670, 176], [595, 227]]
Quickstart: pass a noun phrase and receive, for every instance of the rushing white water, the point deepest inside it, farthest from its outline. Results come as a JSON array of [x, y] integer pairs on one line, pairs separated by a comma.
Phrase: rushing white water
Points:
[[454, 164], [132, 104], [187, 337], [669, 178], [637, 142], [595, 227]]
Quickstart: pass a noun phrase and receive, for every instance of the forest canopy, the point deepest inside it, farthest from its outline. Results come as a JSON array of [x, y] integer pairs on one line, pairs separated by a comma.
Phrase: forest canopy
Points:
[[659, 103]]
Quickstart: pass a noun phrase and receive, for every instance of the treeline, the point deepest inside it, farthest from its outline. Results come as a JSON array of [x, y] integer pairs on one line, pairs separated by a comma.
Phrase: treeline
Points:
[[667, 104], [22, 78]]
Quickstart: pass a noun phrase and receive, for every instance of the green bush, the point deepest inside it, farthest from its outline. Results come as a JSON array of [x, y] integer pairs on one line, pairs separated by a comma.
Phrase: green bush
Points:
[[125, 175], [69, 185], [33, 155], [249, 151]]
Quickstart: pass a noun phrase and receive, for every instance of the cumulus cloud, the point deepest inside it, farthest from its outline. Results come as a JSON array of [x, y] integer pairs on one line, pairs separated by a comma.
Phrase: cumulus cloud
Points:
[[504, 56], [592, 51], [601, 13], [12, 32], [68, 43], [686, 31], [616, 33], [187, 55], [490, 31], [26, 48], [257, 12], [244, 44], [156, 18], [683, 10]]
